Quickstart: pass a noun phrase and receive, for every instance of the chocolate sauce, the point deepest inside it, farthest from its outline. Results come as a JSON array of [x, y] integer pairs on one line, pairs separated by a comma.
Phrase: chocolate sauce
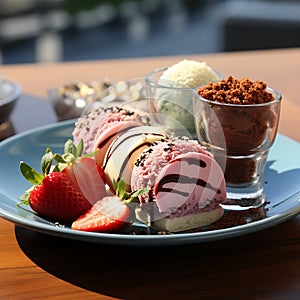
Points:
[[102, 144], [192, 161], [127, 158], [179, 178]]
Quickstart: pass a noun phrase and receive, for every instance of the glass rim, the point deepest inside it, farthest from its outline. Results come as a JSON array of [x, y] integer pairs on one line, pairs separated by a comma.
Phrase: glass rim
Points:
[[278, 98], [156, 84]]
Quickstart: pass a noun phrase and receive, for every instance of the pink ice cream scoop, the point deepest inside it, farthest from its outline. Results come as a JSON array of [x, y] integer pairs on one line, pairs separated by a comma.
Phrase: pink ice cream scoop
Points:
[[190, 179], [153, 159], [101, 126], [186, 186]]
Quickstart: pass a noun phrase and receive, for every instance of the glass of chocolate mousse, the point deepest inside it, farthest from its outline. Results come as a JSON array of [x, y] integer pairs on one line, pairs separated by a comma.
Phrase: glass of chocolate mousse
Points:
[[238, 120]]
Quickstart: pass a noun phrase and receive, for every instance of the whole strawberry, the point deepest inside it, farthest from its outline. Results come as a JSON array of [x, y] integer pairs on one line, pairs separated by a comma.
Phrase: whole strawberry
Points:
[[55, 198], [67, 187]]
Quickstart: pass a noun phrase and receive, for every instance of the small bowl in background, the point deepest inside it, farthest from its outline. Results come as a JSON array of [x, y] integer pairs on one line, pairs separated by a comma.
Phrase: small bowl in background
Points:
[[130, 94], [9, 93]]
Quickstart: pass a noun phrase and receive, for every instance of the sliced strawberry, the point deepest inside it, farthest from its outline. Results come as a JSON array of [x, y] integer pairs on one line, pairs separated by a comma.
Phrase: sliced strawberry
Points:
[[83, 171], [89, 177], [110, 214], [55, 198]]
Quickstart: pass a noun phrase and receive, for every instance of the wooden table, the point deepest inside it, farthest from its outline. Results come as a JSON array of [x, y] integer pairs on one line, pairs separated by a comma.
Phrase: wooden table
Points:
[[263, 265]]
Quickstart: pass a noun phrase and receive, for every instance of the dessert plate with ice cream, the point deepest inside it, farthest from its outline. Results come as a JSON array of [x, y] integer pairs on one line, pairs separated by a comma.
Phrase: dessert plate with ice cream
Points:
[[280, 183], [114, 176]]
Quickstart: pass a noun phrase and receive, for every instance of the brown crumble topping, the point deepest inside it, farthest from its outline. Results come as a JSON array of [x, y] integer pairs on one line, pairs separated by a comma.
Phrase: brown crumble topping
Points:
[[234, 91]]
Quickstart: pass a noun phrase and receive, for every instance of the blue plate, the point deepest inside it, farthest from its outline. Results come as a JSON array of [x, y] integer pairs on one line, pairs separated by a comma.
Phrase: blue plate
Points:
[[282, 185]]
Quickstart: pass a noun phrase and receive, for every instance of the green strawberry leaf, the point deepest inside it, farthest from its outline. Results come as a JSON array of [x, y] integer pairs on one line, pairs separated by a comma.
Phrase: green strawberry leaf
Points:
[[58, 158], [115, 184], [25, 197], [68, 158], [120, 188], [69, 148], [132, 197], [79, 149], [59, 167], [46, 162], [125, 196], [92, 154], [140, 192], [32, 175], [72, 152]]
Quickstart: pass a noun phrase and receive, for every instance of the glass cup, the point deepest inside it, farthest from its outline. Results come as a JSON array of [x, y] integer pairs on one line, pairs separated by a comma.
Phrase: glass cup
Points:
[[173, 104], [239, 137], [126, 94]]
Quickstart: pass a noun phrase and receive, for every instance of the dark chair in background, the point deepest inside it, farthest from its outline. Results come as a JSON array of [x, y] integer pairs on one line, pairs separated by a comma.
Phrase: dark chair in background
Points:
[[254, 25]]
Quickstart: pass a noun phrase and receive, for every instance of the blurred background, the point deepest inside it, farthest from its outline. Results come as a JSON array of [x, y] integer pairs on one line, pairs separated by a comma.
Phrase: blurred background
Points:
[[46, 31]]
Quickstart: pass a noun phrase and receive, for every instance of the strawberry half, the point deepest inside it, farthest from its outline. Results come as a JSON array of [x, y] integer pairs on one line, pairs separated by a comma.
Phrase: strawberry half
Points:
[[108, 215], [67, 187], [111, 214], [88, 176], [83, 171]]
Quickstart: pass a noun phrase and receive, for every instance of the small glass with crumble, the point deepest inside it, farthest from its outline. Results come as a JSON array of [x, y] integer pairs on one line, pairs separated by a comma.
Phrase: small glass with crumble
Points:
[[238, 121]]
